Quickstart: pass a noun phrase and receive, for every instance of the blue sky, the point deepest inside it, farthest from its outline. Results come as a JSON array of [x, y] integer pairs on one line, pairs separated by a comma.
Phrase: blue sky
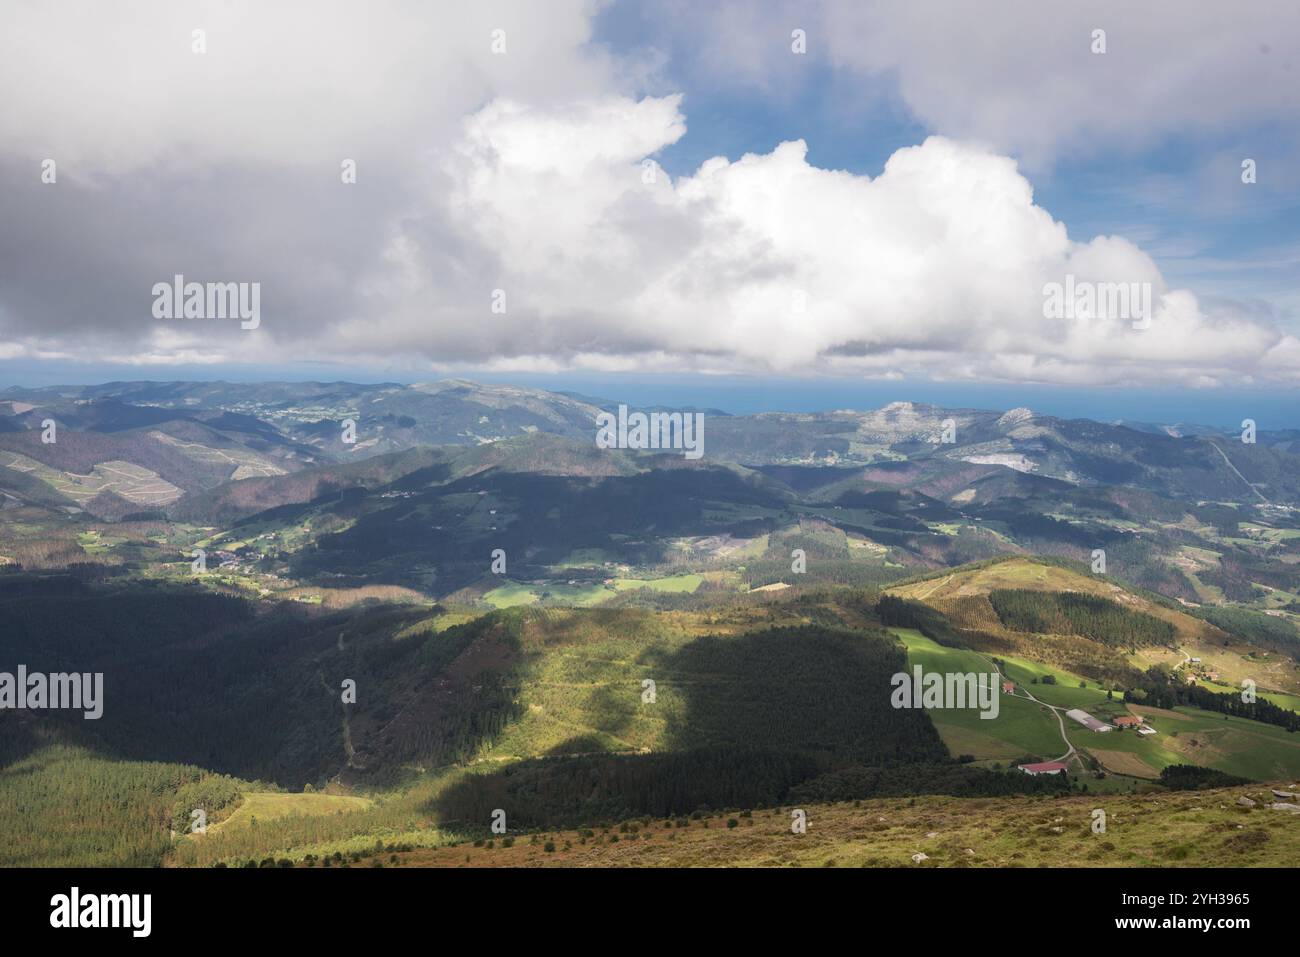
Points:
[[1239, 241]]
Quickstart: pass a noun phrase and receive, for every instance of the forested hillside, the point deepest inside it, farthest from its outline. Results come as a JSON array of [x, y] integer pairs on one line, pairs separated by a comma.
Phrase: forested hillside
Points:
[[1069, 613], [64, 806]]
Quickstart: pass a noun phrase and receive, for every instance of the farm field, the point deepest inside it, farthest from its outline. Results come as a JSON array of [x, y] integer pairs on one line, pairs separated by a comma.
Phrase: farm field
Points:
[[1065, 693], [1021, 727], [1281, 699], [1193, 736]]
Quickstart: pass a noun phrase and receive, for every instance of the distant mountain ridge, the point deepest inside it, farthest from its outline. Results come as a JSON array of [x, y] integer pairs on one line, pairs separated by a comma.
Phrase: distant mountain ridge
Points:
[[182, 439]]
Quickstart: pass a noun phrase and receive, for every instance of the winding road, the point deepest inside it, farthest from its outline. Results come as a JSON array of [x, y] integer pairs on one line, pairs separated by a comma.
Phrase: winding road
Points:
[[1069, 748]]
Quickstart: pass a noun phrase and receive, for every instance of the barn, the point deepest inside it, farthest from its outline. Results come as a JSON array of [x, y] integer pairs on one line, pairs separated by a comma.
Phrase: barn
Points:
[[1087, 720], [1045, 767]]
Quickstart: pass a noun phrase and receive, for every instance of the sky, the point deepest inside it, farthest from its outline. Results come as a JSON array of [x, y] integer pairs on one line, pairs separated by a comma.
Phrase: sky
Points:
[[763, 204]]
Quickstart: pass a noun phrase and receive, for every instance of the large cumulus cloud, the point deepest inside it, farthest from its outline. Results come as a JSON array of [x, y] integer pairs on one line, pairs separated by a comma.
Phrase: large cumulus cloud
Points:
[[937, 266]]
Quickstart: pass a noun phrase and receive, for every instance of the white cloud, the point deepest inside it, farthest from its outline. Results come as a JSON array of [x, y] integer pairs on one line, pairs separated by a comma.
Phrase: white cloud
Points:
[[935, 267], [109, 88], [1020, 75], [526, 173], [226, 165]]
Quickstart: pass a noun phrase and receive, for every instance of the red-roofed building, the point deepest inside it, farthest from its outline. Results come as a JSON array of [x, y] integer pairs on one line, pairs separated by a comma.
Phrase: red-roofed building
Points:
[[1047, 767], [1127, 721], [1008, 687]]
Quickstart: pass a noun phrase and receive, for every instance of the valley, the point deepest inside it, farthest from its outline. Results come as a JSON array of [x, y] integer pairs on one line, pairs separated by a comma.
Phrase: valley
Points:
[[362, 654]]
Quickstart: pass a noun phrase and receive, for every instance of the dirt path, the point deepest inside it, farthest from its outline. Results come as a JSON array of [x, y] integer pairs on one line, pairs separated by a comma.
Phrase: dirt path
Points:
[[1239, 475], [1069, 748], [937, 586]]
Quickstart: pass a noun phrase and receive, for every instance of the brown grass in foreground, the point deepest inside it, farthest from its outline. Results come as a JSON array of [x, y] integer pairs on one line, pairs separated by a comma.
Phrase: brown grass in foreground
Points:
[[1189, 828]]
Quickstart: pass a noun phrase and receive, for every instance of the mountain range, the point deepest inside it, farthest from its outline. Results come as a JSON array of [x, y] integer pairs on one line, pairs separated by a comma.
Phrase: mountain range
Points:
[[345, 650], [183, 440]]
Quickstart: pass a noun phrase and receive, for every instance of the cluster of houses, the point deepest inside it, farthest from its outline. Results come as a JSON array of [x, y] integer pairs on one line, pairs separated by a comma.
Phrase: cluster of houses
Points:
[[1198, 670], [1135, 721], [235, 560]]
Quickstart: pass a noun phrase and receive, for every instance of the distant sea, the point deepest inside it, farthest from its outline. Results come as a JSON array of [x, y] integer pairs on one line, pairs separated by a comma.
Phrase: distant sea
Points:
[[1278, 409]]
